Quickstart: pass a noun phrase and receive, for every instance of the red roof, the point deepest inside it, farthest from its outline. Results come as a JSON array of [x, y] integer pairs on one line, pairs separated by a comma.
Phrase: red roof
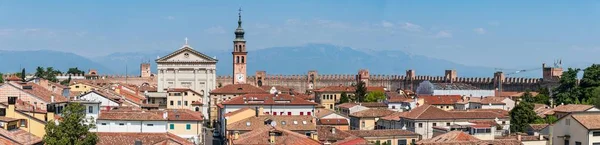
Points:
[[110, 138], [267, 99], [347, 89], [337, 121], [238, 89], [39, 92], [441, 99], [428, 112]]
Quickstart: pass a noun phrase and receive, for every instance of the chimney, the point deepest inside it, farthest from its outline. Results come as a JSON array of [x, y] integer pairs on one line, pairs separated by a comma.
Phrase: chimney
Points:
[[333, 130], [315, 135], [11, 106], [519, 137], [137, 142], [165, 115], [256, 111], [50, 111], [52, 98], [271, 137], [236, 135]]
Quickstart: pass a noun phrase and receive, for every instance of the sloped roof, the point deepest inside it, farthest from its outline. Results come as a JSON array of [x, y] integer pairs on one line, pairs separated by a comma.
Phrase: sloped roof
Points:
[[394, 116], [183, 49], [337, 136], [260, 136], [572, 108], [334, 121], [18, 136], [382, 133], [39, 92], [372, 113], [322, 112], [441, 99], [428, 112], [538, 127], [373, 104], [346, 105], [451, 137], [588, 120], [113, 138], [267, 99], [239, 89], [293, 122]]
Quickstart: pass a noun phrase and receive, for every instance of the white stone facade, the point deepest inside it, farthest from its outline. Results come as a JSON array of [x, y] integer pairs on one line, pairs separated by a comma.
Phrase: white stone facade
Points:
[[188, 68]]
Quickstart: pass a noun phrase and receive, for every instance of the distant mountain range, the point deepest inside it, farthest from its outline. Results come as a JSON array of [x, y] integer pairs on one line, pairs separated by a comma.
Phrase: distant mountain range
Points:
[[326, 59]]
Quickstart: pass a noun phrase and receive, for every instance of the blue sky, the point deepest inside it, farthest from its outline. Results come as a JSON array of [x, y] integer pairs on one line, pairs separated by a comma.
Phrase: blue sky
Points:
[[506, 34]]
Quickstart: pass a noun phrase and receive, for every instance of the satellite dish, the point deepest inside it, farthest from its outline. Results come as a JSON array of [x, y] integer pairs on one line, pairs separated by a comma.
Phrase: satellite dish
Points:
[[273, 123]]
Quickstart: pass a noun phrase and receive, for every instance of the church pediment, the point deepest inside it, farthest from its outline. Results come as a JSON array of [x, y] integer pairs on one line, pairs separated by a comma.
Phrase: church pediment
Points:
[[186, 54]]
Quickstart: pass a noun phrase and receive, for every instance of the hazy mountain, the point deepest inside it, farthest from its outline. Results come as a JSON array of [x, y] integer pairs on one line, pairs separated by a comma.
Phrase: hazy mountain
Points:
[[326, 59], [12, 61]]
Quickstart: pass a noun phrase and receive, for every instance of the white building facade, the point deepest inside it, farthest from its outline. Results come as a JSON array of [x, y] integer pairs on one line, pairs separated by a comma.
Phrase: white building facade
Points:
[[188, 68]]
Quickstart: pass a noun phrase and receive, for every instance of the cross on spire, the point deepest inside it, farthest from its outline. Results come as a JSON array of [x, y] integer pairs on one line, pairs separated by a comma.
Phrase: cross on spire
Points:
[[186, 41]]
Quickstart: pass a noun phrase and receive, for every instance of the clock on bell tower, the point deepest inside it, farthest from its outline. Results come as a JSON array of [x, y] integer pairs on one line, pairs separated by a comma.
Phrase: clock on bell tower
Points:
[[239, 53]]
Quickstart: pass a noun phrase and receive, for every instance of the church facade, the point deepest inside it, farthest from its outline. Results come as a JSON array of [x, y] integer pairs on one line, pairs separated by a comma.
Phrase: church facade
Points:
[[187, 68]]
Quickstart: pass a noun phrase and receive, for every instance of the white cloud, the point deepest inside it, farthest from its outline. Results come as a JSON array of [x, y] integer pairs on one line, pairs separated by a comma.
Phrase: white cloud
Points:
[[387, 24], [411, 27], [170, 17], [215, 30], [443, 34], [479, 30]]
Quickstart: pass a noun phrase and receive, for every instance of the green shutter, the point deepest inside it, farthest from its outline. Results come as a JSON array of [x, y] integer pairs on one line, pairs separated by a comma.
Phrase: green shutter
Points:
[[188, 126], [172, 126]]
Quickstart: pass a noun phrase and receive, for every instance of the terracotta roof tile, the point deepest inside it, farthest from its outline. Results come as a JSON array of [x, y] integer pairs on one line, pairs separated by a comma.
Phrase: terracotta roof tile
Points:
[[239, 89], [13, 78], [373, 104], [372, 113], [293, 122], [282, 89], [129, 115], [493, 100], [451, 137], [260, 136], [538, 127], [267, 99], [336, 136], [441, 99], [427, 112], [182, 115], [336, 121], [109, 138], [19, 136], [40, 92], [237, 111], [589, 121], [572, 108], [395, 116], [346, 105], [382, 133], [322, 112]]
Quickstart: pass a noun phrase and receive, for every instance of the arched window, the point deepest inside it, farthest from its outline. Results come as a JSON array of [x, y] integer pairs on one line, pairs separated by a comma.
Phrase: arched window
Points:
[[237, 59], [242, 59], [197, 109]]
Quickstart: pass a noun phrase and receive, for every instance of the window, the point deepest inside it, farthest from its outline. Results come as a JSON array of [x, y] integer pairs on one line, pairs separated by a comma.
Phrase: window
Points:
[[596, 133], [301, 113], [197, 109], [90, 109], [275, 113], [577, 143], [434, 124], [447, 123], [171, 126], [188, 127], [393, 107], [171, 103], [289, 113], [420, 125], [308, 113], [566, 142], [185, 103], [281, 113], [23, 123], [389, 142], [362, 124], [149, 124], [103, 123], [121, 124], [596, 143], [503, 122], [178, 103], [568, 122], [307, 134], [282, 122]]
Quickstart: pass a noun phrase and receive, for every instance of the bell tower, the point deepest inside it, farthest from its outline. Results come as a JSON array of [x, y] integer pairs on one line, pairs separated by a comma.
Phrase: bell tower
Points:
[[239, 53]]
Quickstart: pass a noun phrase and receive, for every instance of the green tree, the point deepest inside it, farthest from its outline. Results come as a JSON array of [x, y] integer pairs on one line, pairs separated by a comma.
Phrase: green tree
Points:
[[75, 70], [66, 82], [527, 97], [50, 74], [595, 97], [39, 72], [521, 116], [1, 79], [375, 96], [361, 91], [23, 74], [344, 98], [568, 91], [73, 129]]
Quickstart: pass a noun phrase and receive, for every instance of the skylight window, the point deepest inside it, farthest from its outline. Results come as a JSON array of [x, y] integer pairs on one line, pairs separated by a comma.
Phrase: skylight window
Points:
[[248, 123]]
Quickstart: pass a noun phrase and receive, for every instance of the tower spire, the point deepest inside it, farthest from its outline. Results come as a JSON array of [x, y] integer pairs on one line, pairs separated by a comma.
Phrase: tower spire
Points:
[[239, 32]]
